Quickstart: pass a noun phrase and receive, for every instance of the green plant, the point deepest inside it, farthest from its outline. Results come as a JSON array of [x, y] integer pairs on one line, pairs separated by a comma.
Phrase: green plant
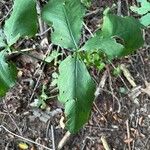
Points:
[[76, 86], [117, 71], [144, 11], [41, 100]]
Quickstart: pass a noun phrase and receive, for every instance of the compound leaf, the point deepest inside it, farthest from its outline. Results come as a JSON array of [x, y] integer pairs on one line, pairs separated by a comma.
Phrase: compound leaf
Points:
[[22, 22], [66, 17], [7, 74], [127, 29], [76, 92]]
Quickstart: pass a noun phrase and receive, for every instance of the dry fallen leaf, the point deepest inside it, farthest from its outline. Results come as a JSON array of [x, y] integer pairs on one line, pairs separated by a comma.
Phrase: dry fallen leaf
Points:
[[147, 89]]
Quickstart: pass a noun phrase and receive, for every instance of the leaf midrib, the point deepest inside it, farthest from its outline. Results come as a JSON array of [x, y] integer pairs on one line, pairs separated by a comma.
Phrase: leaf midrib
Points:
[[69, 27]]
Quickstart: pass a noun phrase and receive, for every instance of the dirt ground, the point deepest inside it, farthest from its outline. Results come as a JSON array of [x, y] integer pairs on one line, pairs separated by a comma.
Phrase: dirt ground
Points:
[[121, 113]]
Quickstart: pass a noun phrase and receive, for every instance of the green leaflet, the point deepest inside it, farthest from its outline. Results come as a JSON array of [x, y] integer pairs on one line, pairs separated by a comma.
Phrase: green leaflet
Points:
[[145, 7], [143, 10], [126, 28], [145, 20], [22, 22], [76, 92], [66, 17], [107, 45], [7, 74]]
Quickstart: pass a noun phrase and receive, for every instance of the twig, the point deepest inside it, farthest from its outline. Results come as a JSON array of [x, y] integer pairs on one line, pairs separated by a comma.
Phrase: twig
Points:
[[98, 90], [119, 8], [128, 133], [14, 54], [23, 50], [1, 20], [25, 139], [47, 129], [37, 83], [84, 141], [42, 33], [146, 143], [104, 142], [127, 75], [87, 28], [127, 4], [102, 129], [92, 12], [53, 138], [2, 113], [64, 140], [12, 119], [101, 84], [119, 105], [119, 76], [110, 85], [99, 111], [41, 26]]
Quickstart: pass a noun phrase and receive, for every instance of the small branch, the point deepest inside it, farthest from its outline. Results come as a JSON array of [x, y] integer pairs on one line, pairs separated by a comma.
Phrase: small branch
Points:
[[15, 54], [99, 111], [119, 76], [38, 80], [127, 4], [41, 26], [1, 20], [109, 92], [119, 8], [101, 84], [53, 138], [92, 12], [8, 112], [110, 85], [128, 134], [87, 28], [128, 75], [44, 32], [25, 139], [104, 142], [23, 50]]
